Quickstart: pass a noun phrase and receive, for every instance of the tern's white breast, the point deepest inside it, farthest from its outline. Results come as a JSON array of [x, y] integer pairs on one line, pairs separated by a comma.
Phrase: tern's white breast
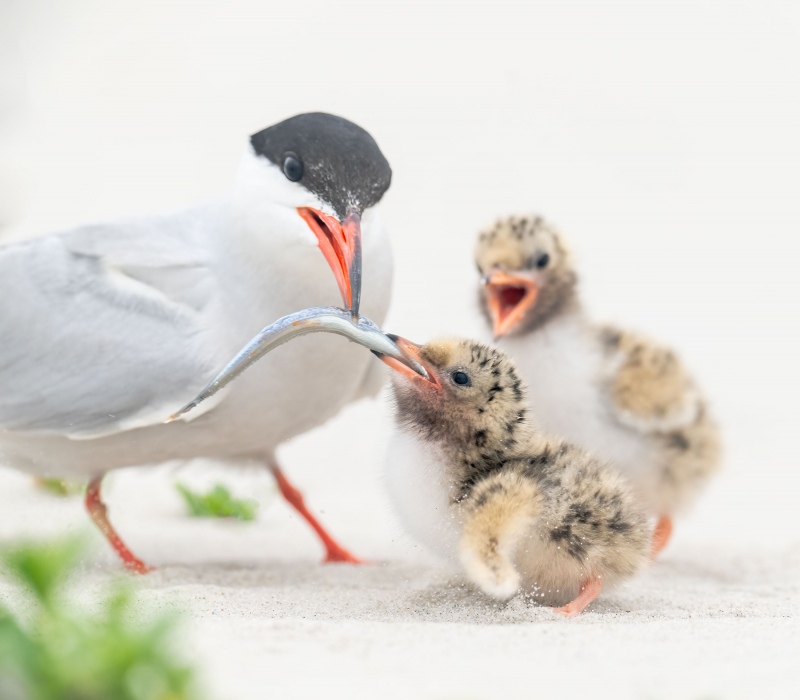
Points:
[[306, 382]]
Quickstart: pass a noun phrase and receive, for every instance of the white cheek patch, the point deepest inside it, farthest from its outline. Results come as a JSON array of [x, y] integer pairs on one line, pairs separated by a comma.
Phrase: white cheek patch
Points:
[[259, 179]]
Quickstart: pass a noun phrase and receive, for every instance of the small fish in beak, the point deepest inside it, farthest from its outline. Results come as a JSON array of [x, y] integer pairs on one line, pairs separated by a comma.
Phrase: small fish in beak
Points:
[[317, 319]]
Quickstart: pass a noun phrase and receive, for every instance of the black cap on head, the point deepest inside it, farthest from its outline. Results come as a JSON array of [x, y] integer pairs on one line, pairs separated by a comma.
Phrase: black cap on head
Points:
[[331, 157]]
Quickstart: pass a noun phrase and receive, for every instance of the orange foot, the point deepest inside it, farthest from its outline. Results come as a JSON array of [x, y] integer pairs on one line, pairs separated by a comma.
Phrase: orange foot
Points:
[[661, 535], [334, 552], [99, 514], [590, 589]]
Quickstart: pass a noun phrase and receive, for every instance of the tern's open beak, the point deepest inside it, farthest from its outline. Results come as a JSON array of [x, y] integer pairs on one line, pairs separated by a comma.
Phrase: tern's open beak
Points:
[[340, 243], [509, 297], [412, 351]]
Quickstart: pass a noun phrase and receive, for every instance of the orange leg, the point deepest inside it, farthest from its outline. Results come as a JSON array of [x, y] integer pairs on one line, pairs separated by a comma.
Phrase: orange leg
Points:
[[590, 589], [334, 552], [661, 535], [99, 513]]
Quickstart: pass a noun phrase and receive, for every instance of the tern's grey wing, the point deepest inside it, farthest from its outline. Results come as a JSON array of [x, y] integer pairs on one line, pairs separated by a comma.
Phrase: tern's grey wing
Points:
[[103, 329]]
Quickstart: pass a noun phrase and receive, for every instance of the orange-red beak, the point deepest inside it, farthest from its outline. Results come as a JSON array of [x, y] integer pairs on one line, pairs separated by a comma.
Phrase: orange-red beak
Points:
[[340, 243], [509, 297], [411, 350]]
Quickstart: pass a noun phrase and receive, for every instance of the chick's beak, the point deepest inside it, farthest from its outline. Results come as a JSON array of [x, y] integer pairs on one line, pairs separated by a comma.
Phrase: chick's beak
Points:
[[340, 243], [509, 297], [412, 351]]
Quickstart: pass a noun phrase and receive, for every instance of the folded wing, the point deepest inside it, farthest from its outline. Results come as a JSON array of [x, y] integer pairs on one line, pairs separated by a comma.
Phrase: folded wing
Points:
[[104, 329], [649, 388]]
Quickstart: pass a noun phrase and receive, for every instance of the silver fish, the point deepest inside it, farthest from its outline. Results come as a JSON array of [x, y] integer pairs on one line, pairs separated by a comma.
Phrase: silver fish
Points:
[[316, 319]]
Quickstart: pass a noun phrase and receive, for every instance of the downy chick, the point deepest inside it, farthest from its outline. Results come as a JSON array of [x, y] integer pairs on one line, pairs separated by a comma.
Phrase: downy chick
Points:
[[472, 479], [626, 399]]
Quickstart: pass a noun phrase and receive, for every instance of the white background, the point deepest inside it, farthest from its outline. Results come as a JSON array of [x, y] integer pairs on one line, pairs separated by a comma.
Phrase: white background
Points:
[[663, 139]]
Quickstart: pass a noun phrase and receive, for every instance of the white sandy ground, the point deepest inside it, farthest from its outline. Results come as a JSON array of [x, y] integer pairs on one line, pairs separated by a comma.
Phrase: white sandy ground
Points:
[[714, 618], [662, 137]]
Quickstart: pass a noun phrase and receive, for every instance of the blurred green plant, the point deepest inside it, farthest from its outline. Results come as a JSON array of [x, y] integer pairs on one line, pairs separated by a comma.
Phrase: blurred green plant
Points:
[[61, 487], [60, 651], [217, 503]]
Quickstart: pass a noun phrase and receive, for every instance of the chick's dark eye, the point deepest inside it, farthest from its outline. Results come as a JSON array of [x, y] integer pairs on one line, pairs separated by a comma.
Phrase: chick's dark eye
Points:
[[293, 168], [543, 260], [461, 378]]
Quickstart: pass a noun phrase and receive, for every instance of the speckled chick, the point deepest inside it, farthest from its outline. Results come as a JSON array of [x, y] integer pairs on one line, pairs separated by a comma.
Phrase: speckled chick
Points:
[[472, 479], [623, 397]]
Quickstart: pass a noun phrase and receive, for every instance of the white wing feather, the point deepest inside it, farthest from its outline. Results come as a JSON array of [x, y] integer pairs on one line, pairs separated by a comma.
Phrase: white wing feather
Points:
[[102, 329]]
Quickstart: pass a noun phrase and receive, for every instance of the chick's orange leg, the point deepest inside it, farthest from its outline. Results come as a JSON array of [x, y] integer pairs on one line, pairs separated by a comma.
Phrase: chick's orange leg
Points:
[[661, 535], [590, 589], [334, 552], [99, 514]]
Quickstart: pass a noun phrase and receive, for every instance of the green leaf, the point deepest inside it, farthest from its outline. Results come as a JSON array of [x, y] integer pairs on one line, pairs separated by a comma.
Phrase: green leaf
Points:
[[217, 503], [61, 487], [43, 567], [67, 653]]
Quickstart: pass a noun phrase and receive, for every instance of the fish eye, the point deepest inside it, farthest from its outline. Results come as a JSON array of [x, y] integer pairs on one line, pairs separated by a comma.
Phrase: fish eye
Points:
[[460, 378], [292, 167], [543, 260]]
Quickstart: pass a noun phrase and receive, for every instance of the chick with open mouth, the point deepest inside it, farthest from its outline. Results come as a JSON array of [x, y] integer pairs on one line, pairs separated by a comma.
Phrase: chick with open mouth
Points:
[[627, 399]]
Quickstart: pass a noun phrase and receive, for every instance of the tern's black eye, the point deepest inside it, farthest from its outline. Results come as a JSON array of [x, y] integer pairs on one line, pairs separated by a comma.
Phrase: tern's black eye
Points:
[[543, 260], [461, 378], [292, 167]]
